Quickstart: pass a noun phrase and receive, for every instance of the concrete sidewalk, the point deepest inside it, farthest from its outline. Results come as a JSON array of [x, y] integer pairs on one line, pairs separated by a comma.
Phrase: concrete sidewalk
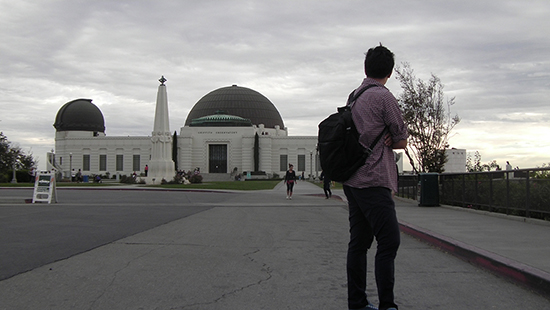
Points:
[[513, 247], [257, 250], [508, 245]]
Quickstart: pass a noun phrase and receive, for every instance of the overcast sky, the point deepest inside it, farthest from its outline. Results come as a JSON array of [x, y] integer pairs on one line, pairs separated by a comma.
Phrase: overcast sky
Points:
[[305, 56]]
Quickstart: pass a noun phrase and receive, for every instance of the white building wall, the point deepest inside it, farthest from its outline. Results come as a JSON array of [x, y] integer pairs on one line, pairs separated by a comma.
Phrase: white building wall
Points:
[[247, 160], [193, 145], [240, 144], [79, 145], [266, 149], [456, 160], [295, 145], [185, 152]]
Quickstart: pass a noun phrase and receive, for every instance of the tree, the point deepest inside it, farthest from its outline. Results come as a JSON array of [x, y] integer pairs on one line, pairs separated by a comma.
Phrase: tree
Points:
[[10, 154], [476, 165], [175, 150], [428, 117], [491, 165]]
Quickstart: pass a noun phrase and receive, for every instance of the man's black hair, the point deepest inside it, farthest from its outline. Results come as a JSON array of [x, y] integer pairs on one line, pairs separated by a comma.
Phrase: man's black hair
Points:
[[379, 62]]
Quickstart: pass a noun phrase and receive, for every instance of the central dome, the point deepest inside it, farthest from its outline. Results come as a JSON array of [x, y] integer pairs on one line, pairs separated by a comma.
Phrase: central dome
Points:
[[238, 101]]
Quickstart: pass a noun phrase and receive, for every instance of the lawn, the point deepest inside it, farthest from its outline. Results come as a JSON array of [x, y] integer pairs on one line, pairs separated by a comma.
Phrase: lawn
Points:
[[59, 184], [231, 185], [335, 185]]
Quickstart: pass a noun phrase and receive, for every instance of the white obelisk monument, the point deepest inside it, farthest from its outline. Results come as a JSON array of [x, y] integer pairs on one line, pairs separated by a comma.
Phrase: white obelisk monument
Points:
[[161, 165]]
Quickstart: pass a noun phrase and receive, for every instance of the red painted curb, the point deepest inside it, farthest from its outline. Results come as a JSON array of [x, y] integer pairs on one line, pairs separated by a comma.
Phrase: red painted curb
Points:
[[528, 276]]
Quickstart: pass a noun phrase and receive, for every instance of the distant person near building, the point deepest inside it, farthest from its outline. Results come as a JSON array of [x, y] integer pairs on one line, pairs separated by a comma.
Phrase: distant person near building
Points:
[[290, 179], [146, 170], [327, 182], [508, 166], [32, 173]]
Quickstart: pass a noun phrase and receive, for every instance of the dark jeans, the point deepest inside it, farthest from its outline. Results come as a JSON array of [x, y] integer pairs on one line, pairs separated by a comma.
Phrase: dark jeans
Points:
[[326, 188], [371, 214], [289, 186]]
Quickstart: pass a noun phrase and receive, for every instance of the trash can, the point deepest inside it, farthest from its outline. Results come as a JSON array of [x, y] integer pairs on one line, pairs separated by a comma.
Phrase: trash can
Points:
[[85, 178], [428, 189]]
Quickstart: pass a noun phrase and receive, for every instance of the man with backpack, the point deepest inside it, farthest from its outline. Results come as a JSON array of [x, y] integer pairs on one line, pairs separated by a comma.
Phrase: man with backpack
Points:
[[369, 189]]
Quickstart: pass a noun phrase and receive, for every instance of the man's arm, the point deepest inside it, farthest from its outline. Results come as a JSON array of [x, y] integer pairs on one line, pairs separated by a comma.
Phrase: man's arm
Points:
[[401, 144]]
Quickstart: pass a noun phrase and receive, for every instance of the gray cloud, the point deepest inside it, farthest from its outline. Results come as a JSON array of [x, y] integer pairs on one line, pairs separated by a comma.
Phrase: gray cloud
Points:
[[305, 56]]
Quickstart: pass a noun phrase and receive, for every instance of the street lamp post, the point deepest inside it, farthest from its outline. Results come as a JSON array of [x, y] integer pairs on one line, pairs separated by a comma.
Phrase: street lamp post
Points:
[[14, 180], [316, 162], [310, 165], [71, 166], [52, 159]]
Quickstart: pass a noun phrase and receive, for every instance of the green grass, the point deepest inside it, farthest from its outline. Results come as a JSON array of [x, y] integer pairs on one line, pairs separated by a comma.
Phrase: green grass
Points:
[[60, 184], [335, 186], [230, 185], [17, 185]]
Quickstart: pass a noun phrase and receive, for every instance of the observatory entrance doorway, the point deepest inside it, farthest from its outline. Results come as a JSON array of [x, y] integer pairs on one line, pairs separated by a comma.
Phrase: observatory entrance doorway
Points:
[[217, 158]]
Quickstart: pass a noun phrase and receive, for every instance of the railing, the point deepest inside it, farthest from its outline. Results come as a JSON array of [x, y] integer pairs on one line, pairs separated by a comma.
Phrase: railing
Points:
[[408, 186], [522, 192]]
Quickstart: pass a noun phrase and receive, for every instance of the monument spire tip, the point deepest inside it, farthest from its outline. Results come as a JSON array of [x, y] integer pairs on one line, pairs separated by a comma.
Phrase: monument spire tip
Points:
[[162, 80]]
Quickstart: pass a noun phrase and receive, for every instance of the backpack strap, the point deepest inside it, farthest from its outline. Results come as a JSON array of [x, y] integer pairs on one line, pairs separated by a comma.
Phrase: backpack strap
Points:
[[356, 93], [373, 144], [351, 101]]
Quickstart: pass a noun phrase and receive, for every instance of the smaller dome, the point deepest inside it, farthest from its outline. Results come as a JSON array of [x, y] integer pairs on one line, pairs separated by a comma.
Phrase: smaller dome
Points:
[[221, 119], [79, 115]]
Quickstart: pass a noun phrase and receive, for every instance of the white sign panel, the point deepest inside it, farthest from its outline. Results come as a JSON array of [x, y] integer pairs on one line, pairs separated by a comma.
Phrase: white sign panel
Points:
[[44, 188]]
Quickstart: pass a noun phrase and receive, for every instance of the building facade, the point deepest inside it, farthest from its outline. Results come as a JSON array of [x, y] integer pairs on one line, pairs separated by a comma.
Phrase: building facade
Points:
[[231, 129], [456, 161]]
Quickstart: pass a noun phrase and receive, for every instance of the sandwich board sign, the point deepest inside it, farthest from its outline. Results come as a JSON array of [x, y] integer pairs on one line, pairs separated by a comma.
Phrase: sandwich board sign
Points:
[[44, 188]]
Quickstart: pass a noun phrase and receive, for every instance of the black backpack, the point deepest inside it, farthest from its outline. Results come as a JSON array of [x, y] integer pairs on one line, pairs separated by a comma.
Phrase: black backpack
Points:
[[340, 152]]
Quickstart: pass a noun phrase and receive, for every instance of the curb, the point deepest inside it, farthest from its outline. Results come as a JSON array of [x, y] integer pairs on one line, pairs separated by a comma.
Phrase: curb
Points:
[[528, 276]]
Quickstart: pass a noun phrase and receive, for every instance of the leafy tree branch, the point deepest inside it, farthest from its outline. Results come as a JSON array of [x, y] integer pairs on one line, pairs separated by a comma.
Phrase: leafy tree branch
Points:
[[10, 154], [428, 116]]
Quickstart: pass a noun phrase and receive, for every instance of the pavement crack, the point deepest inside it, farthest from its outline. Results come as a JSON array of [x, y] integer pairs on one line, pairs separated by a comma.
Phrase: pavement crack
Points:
[[264, 268], [115, 275]]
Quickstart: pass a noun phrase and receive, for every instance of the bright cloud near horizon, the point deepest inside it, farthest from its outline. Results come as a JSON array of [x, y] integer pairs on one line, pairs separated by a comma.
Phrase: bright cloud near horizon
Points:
[[305, 56]]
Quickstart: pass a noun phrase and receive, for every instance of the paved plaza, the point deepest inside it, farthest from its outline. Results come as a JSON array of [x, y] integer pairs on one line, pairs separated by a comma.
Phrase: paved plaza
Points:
[[134, 248]]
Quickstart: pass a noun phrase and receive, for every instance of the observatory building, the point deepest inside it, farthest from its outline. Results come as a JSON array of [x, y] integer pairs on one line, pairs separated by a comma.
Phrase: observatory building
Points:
[[231, 129]]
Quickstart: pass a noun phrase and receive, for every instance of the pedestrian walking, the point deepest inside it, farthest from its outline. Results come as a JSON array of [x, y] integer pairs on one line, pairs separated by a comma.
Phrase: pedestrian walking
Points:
[[327, 183], [290, 179]]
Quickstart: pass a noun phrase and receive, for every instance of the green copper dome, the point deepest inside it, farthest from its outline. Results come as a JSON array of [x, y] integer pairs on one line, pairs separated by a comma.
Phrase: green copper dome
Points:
[[237, 101], [221, 119]]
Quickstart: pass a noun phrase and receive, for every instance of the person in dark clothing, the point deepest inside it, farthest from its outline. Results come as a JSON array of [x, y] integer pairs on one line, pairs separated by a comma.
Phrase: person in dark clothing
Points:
[[327, 182], [369, 191], [290, 179]]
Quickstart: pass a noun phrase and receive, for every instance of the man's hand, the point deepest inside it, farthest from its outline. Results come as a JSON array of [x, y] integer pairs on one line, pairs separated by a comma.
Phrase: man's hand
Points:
[[388, 141]]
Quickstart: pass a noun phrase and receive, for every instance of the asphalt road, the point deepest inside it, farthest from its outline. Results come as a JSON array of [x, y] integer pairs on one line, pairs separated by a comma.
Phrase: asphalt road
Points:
[[32, 235], [108, 249]]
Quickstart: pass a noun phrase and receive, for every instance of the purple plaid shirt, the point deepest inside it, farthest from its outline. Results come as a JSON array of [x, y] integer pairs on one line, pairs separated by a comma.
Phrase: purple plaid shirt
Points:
[[375, 109]]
